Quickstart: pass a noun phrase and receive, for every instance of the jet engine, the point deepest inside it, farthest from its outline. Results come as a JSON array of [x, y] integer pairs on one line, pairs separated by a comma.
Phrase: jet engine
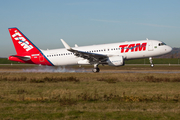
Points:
[[115, 61]]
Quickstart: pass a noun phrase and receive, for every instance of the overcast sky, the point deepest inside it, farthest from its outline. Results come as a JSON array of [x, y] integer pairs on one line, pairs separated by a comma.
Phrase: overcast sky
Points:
[[88, 22]]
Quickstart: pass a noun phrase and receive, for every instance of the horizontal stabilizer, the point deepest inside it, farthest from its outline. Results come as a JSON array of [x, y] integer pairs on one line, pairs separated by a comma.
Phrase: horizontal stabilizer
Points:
[[25, 58]]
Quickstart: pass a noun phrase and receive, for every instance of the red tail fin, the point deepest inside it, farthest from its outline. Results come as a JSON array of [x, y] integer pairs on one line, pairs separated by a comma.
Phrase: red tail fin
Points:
[[22, 44]]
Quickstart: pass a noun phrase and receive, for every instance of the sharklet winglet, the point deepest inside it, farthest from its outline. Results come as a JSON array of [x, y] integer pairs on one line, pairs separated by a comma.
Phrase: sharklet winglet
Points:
[[66, 45]]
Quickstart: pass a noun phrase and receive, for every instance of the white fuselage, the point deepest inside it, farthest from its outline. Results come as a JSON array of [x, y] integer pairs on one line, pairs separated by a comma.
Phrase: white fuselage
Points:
[[130, 50]]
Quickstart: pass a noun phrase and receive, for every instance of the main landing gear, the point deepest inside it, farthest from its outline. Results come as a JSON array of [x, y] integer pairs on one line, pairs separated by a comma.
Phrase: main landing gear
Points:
[[95, 69], [150, 60]]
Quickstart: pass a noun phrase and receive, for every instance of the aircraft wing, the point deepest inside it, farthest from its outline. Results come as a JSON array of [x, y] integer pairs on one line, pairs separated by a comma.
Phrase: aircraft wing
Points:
[[92, 57]]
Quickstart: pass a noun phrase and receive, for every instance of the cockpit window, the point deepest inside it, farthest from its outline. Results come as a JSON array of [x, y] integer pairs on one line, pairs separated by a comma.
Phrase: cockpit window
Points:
[[160, 44]]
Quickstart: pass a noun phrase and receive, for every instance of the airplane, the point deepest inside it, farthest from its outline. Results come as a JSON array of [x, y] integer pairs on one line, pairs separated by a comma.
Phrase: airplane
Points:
[[113, 54]]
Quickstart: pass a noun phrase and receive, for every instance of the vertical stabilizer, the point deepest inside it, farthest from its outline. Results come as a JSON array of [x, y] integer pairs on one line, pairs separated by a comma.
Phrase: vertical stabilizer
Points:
[[26, 51], [21, 43]]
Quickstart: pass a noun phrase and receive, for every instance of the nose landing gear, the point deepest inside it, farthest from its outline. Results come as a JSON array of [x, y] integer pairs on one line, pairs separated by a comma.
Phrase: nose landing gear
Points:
[[150, 60]]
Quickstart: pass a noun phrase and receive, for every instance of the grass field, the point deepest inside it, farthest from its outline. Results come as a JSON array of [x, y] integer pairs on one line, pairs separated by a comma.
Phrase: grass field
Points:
[[89, 95], [6, 61]]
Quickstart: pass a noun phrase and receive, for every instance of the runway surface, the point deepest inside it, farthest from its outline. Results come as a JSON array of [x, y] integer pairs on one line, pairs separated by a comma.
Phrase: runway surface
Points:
[[47, 69]]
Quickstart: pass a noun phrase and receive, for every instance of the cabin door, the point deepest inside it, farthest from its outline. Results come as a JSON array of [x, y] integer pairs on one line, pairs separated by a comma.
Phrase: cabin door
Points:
[[150, 46]]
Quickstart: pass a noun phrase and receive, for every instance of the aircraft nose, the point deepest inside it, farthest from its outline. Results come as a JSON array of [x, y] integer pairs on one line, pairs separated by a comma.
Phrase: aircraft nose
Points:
[[168, 49]]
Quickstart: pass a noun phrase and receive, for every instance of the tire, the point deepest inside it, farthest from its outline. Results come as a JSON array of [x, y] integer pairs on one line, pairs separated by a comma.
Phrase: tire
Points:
[[152, 65], [95, 70]]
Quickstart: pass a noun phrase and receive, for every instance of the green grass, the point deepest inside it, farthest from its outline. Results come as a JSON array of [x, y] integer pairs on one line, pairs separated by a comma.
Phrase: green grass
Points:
[[6, 61], [89, 96], [155, 61]]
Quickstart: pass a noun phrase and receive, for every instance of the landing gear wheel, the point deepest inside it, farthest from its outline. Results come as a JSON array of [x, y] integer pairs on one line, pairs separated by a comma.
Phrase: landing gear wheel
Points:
[[152, 65], [95, 70], [98, 69]]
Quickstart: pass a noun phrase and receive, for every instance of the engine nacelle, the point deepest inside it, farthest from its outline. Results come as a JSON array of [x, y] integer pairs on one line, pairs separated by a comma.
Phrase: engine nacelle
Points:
[[83, 62], [115, 61]]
